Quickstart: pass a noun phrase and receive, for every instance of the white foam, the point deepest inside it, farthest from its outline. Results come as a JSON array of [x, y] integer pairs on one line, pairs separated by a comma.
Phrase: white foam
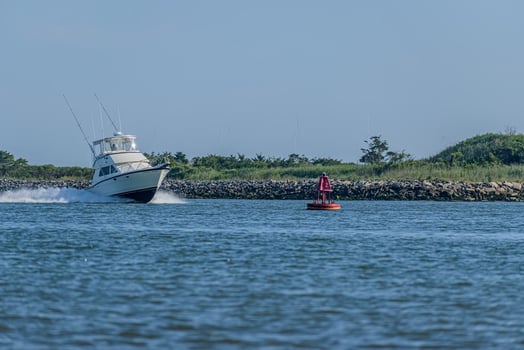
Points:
[[53, 195], [162, 197]]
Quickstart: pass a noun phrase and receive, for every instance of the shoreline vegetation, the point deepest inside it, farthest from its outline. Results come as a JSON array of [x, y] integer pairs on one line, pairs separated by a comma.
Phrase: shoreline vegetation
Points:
[[483, 168]]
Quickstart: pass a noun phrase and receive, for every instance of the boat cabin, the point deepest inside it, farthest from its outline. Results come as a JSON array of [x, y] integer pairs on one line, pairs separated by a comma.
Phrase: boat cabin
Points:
[[115, 155], [115, 144]]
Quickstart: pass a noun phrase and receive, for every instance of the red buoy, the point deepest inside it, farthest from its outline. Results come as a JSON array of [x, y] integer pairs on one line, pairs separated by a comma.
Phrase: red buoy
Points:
[[323, 201]]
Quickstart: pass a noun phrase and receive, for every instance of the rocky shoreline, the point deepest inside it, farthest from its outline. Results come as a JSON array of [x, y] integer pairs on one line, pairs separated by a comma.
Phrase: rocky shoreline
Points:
[[343, 190]]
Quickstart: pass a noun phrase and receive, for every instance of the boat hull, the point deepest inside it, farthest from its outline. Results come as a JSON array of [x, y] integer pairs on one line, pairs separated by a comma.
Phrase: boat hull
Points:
[[323, 206], [144, 195], [140, 185]]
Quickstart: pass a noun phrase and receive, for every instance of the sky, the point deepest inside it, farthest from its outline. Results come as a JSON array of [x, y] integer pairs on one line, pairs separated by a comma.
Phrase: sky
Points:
[[269, 77]]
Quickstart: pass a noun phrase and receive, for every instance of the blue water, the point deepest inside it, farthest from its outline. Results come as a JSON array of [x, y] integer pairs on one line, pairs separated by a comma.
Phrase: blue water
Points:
[[78, 273]]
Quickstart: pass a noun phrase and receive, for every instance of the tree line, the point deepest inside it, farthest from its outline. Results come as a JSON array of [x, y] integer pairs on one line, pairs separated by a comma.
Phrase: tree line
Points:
[[19, 168], [377, 158], [239, 161]]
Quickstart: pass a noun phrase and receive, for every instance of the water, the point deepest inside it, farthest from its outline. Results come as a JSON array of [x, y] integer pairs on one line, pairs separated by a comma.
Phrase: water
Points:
[[81, 273]]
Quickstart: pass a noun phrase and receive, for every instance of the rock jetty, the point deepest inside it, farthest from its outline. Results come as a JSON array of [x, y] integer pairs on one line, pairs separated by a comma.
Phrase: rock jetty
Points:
[[343, 190], [13, 185]]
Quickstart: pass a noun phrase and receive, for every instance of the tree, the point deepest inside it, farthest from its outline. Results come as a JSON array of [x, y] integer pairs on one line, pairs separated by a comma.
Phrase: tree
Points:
[[9, 163], [456, 158], [180, 158], [511, 130], [486, 149], [398, 157], [260, 161], [374, 153], [295, 159]]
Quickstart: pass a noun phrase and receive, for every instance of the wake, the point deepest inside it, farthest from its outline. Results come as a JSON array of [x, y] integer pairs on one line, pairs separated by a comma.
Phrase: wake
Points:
[[162, 197], [53, 195], [73, 195]]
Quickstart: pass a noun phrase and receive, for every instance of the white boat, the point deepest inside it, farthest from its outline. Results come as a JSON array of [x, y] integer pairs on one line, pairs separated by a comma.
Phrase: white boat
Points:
[[120, 169]]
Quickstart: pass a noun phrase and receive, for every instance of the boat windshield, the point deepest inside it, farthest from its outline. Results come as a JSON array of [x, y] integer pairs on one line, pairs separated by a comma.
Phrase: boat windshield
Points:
[[125, 143]]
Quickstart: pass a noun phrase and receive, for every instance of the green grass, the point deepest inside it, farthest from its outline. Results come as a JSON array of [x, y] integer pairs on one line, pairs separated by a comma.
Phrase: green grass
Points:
[[499, 173], [414, 171]]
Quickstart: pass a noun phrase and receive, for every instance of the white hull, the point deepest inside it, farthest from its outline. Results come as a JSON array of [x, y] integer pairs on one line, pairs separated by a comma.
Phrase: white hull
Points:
[[140, 185]]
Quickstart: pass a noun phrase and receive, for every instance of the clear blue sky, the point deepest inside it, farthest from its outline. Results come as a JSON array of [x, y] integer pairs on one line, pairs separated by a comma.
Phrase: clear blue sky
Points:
[[269, 77]]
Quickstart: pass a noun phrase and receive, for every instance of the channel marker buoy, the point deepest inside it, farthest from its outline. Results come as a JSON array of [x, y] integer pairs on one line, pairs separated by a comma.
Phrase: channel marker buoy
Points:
[[323, 201]]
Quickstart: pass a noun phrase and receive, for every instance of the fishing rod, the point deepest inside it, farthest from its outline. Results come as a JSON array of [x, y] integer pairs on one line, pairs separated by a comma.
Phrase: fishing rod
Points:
[[107, 114], [80, 126]]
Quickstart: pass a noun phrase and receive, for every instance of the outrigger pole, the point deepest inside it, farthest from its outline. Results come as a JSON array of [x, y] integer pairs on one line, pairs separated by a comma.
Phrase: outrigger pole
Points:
[[80, 127], [107, 114]]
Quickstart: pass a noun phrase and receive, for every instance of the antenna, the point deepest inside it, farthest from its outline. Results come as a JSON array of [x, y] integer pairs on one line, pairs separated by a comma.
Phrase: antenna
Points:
[[80, 127], [93, 126], [296, 135], [119, 119], [101, 120], [107, 114]]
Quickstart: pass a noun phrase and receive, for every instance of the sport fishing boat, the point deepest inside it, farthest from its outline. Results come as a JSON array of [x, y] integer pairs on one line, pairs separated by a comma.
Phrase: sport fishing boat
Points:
[[120, 169]]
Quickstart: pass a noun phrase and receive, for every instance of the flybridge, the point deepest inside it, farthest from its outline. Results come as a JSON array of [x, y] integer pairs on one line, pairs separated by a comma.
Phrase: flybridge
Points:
[[116, 144]]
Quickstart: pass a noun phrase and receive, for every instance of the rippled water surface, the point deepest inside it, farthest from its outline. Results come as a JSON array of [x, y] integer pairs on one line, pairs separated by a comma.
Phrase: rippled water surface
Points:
[[234, 274]]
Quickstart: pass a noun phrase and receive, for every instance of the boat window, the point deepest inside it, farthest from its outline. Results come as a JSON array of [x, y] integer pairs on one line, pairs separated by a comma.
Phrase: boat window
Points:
[[118, 145], [104, 171], [107, 170], [129, 145]]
